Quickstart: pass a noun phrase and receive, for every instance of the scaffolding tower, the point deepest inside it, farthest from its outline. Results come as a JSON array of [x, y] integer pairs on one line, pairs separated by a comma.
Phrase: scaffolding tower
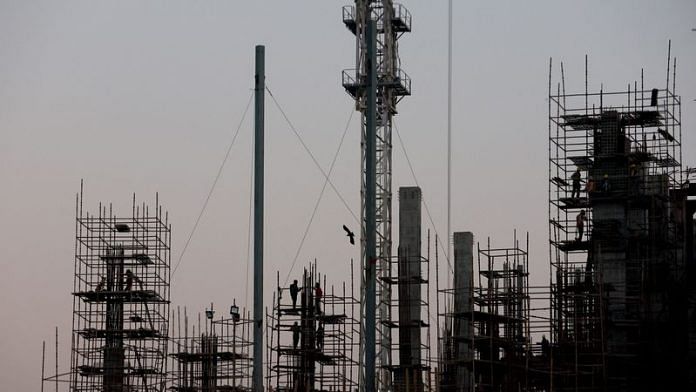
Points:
[[614, 162], [311, 338], [392, 20], [121, 300], [486, 342], [412, 372], [215, 357]]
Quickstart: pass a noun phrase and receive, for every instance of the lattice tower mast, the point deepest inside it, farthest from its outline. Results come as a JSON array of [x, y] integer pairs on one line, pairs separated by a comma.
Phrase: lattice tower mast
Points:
[[392, 21]]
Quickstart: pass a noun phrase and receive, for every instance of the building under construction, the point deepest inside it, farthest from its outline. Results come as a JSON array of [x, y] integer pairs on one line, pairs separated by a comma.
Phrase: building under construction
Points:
[[620, 234], [617, 314], [619, 306], [485, 343], [312, 330], [214, 357], [121, 300], [311, 336]]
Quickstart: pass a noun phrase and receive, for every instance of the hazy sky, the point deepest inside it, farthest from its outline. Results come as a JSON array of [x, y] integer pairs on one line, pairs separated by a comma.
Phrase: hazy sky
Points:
[[144, 97]]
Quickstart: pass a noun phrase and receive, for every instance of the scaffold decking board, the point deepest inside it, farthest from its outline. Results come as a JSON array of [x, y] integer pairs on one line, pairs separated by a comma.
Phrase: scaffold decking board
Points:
[[199, 357], [570, 246], [125, 296], [574, 202], [139, 333]]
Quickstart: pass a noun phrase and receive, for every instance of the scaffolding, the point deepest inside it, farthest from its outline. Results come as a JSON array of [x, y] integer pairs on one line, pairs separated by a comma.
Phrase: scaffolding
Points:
[[486, 345], [614, 159], [218, 357], [121, 300], [412, 373], [501, 318], [310, 338]]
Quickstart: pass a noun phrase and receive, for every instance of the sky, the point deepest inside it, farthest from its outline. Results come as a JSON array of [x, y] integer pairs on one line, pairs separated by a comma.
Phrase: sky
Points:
[[145, 97]]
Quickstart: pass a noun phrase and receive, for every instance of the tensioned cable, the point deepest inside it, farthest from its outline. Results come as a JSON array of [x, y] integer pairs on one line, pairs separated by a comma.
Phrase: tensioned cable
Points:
[[425, 203], [321, 194], [212, 188], [316, 163]]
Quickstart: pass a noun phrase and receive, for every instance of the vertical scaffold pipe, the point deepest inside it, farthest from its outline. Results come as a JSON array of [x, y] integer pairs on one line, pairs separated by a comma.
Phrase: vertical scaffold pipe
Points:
[[370, 207], [259, 92]]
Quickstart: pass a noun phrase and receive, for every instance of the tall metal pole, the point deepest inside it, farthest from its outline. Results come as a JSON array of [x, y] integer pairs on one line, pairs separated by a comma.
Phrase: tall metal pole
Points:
[[449, 130], [259, 92], [370, 209], [43, 364]]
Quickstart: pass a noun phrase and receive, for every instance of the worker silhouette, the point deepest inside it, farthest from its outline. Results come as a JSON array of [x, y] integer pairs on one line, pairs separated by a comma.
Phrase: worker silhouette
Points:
[[295, 335], [100, 286], [580, 223], [605, 187], [320, 337], [318, 293], [294, 290], [545, 346], [590, 185], [130, 278], [576, 177]]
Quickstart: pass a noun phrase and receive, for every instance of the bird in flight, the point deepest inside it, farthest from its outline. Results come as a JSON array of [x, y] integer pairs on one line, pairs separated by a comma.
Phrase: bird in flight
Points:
[[349, 234]]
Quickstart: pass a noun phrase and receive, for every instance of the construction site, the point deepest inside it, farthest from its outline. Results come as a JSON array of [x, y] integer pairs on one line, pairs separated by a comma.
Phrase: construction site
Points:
[[617, 311]]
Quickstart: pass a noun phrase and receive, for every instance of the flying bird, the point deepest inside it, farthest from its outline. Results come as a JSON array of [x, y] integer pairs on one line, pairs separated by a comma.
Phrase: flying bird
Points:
[[349, 234]]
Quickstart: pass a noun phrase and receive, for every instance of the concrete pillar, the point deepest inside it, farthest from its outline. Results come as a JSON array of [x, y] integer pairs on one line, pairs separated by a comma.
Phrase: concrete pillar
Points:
[[463, 306], [612, 256], [410, 281], [114, 351]]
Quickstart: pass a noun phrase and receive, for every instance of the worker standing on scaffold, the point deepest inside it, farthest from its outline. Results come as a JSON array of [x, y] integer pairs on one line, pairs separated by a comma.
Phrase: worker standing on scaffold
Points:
[[318, 293], [130, 278], [575, 193], [295, 335], [590, 186], [294, 290], [580, 223], [320, 337]]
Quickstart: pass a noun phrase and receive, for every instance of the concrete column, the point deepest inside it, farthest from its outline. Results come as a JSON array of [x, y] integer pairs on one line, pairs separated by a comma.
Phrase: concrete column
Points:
[[114, 351], [609, 213], [463, 306], [410, 282]]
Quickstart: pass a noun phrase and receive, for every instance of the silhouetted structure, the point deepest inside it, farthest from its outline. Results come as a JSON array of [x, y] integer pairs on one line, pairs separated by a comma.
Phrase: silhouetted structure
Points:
[[215, 357], [120, 321], [308, 350], [619, 308], [378, 108], [410, 274], [485, 341]]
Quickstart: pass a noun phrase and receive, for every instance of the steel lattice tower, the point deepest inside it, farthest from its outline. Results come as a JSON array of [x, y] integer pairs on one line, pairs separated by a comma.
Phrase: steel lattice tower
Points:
[[392, 20]]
